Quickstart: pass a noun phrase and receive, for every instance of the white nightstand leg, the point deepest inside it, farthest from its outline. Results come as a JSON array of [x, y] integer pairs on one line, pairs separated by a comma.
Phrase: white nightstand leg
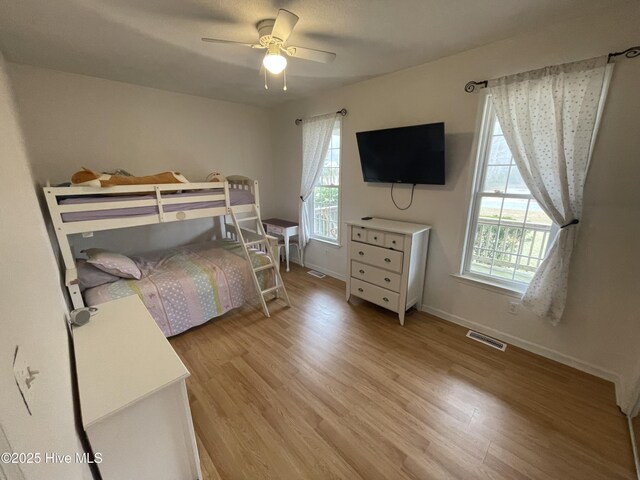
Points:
[[286, 248]]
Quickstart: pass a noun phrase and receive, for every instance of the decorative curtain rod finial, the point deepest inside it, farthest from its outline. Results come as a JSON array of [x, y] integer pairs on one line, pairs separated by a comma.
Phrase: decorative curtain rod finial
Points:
[[471, 86], [629, 53]]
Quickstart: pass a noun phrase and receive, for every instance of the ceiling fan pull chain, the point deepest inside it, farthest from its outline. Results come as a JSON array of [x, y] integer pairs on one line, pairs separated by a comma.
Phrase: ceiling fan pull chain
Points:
[[284, 76], [266, 87]]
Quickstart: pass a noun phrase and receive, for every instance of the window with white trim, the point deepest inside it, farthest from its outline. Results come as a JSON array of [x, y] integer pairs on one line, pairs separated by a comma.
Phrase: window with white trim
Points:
[[508, 233], [325, 200]]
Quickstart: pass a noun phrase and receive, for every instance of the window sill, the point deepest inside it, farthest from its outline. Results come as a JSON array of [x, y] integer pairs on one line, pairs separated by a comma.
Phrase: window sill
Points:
[[489, 285], [325, 241]]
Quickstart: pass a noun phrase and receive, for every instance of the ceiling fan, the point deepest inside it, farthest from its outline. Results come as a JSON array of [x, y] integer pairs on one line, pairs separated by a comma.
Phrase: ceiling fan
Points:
[[272, 37]]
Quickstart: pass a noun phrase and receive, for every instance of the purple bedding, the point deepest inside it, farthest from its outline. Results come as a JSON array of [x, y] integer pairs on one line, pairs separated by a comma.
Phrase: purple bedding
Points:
[[187, 286], [237, 197]]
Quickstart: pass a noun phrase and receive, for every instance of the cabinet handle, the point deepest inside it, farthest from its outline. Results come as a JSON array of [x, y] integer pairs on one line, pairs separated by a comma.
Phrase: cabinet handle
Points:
[[358, 234], [388, 260], [361, 271], [360, 252], [385, 299], [360, 290], [375, 238], [387, 279], [393, 241]]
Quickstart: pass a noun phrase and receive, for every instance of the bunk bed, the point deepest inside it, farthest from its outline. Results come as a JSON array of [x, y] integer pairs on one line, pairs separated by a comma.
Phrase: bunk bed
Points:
[[212, 278]]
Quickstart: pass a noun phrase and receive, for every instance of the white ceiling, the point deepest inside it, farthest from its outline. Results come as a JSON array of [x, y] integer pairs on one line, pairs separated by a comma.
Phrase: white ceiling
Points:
[[157, 42]]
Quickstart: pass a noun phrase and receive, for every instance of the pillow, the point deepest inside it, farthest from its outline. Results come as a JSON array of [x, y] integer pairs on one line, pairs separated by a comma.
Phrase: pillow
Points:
[[89, 178], [113, 263], [90, 276], [215, 177]]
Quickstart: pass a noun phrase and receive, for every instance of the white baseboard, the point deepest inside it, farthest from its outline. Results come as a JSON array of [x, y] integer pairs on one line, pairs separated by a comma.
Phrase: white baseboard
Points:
[[326, 271], [529, 346]]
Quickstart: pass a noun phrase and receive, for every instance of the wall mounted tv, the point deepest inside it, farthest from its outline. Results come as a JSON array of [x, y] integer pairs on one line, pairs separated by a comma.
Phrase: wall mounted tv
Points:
[[413, 154]]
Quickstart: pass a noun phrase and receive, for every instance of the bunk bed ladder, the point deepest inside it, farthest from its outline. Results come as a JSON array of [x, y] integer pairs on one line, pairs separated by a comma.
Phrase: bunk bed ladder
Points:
[[262, 240]]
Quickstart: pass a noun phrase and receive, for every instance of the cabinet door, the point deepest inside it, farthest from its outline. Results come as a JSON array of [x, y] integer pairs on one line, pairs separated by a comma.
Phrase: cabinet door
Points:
[[150, 439]]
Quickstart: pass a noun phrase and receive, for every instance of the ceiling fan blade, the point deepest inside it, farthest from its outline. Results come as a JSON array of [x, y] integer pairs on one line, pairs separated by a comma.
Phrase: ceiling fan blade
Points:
[[283, 26], [311, 54], [230, 42]]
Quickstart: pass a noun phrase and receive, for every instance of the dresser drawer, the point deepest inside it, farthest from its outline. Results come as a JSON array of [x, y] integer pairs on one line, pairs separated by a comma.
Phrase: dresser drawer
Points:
[[374, 237], [359, 234], [393, 240], [375, 275], [377, 256], [274, 229], [380, 296]]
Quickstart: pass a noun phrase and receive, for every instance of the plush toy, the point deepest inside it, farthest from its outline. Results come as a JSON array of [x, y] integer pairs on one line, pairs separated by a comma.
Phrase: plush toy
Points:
[[215, 177], [89, 178]]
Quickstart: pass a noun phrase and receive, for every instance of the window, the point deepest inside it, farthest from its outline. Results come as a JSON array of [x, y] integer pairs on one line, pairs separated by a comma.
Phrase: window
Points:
[[508, 232], [325, 201]]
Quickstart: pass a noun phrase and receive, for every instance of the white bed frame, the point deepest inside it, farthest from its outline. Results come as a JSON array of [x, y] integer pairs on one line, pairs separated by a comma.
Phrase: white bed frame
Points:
[[211, 191]]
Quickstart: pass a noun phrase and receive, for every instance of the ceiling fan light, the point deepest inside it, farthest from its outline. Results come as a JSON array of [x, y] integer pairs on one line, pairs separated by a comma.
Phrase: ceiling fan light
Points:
[[274, 63]]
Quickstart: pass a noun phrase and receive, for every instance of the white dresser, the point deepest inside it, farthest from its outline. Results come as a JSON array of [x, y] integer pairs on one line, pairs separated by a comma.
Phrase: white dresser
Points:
[[386, 263], [133, 397]]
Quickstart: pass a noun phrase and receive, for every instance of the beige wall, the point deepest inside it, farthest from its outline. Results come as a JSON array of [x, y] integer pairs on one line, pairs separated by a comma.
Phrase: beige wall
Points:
[[600, 332], [73, 120], [32, 314]]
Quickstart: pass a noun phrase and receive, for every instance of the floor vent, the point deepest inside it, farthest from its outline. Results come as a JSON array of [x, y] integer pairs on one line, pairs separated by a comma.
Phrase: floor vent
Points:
[[492, 342], [316, 274]]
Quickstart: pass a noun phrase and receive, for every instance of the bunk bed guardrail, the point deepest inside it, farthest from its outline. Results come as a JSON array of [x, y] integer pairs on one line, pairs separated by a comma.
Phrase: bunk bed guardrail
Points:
[[164, 206]]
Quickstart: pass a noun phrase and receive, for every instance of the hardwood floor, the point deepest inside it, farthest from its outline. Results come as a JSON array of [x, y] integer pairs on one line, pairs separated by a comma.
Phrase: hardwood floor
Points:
[[335, 390]]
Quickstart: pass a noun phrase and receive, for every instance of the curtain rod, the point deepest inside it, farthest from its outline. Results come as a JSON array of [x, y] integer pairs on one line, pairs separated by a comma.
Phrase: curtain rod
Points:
[[342, 112], [632, 52]]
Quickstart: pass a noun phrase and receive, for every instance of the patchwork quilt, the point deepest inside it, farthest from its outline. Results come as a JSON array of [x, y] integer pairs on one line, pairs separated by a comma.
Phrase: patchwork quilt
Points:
[[187, 286]]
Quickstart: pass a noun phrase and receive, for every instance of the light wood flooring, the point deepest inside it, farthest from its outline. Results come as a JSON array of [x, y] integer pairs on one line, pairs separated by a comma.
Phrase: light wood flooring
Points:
[[336, 390]]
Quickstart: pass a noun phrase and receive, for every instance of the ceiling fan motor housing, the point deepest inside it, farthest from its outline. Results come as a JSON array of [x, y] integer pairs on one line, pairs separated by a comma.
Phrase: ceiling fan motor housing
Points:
[[265, 27]]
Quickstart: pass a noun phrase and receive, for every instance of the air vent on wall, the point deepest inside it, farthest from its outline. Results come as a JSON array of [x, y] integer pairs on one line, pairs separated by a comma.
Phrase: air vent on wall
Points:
[[492, 342]]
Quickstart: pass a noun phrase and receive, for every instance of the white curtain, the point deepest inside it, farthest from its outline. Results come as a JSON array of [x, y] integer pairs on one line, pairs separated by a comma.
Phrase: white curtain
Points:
[[316, 136], [549, 119]]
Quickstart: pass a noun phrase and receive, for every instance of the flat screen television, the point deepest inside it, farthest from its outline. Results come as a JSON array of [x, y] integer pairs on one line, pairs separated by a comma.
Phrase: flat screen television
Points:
[[413, 154]]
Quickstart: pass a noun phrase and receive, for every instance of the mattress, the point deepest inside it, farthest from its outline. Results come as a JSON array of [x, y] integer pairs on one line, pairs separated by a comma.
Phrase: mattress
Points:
[[236, 196], [187, 286]]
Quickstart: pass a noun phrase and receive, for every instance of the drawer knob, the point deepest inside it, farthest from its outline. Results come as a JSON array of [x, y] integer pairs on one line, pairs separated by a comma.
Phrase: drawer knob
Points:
[[393, 241], [359, 235], [375, 238], [387, 279], [385, 299], [388, 260], [361, 271], [360, 252], [360, 290]]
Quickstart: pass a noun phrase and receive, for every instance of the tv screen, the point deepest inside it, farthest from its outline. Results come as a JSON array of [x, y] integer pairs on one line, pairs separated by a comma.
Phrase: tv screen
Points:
[[412, 154]]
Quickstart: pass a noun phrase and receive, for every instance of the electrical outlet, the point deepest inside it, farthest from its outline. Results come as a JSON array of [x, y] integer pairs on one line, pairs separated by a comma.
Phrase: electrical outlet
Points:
[[513, 308]]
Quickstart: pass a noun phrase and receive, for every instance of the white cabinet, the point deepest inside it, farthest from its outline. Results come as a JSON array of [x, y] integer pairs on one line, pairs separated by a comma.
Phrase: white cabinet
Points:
[[386, 263], [133, 396]]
